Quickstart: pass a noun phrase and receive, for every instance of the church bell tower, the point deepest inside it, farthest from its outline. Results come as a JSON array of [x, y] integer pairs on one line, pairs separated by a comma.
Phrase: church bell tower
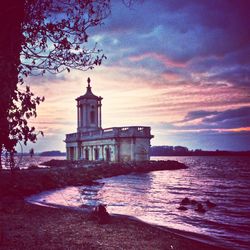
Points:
[[89, 116]]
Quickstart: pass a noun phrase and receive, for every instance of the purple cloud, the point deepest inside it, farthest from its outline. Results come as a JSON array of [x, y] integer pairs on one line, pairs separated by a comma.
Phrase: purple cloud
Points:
[[228, 119]]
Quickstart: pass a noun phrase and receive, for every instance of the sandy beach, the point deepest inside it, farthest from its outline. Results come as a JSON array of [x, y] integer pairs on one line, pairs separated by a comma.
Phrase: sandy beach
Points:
[[28, 226]]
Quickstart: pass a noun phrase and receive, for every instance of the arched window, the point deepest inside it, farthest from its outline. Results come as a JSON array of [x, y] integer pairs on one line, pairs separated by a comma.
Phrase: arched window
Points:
[[92, 116]]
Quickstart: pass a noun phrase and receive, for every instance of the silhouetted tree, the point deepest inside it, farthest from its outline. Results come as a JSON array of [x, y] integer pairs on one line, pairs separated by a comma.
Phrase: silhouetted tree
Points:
[[38, 36]]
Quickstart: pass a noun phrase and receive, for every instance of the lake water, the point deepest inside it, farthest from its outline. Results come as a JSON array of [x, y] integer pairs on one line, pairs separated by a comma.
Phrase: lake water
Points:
[[25, 161], [154, 197]]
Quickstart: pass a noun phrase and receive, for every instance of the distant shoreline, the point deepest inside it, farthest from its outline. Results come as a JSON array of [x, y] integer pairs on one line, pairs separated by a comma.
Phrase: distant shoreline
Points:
[[184, 151], [206, 153]]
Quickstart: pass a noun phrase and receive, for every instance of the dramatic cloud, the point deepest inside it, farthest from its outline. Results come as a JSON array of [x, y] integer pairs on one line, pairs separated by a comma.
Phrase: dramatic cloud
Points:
[[193, 115], [228, 119], [182, 67], [181, 37]]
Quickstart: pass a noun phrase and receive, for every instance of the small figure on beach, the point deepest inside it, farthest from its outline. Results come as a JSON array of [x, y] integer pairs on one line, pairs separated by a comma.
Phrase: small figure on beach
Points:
[[101, 214]]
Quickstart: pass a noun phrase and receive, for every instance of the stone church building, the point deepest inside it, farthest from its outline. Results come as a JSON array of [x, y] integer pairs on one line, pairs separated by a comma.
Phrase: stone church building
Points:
[[92, 142]]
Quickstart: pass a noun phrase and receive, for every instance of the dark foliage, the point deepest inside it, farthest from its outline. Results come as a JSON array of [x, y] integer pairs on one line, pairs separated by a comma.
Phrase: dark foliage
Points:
[[54, 35]]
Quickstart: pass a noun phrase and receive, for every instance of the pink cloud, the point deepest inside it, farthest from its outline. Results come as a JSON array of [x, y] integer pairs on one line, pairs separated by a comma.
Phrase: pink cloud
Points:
[[159, 57]]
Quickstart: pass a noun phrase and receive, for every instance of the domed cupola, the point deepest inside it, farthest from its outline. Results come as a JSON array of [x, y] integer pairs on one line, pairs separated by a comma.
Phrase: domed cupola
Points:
[[88, 111]]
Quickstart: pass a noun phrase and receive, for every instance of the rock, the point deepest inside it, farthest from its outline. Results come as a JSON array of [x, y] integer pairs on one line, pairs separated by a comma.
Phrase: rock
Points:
[[182, 208], [200, 208], [33, 166], [185, 201], [210, 204], [193, 202]]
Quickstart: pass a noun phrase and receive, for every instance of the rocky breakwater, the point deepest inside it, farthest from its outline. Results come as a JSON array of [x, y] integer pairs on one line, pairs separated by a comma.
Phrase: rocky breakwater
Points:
[[61, 173]]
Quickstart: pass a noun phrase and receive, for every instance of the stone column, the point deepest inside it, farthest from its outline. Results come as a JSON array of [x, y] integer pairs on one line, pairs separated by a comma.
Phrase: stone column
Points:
[[75, 153], [100, 152], [67, 154], [82, 153], [78, 151], [87, 115], [87, 149], [132, 154], [81, 120], [78, 122], [86, 153], [103, 153], [99, 114], [118, 151], [84, 115], [91, 153], [115, 153]]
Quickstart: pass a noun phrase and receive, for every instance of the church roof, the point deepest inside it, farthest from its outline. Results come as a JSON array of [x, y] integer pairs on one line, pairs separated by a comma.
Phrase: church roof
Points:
[[88, 94]]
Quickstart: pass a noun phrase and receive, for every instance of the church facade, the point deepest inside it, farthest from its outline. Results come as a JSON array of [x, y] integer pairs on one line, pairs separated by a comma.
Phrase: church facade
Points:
[[93, 143]]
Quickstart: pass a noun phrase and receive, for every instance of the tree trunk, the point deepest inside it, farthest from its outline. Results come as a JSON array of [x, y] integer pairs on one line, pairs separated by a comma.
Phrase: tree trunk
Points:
[[12, 160], [1, 150], [11, 17]]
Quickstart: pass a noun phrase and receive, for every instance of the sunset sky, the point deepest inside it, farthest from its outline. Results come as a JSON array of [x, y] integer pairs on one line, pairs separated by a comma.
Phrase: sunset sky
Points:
[[181, 67]]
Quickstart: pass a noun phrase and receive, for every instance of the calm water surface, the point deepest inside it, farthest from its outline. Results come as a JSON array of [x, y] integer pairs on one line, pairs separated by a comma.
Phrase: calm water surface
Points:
[[25, 161], [154, 197]]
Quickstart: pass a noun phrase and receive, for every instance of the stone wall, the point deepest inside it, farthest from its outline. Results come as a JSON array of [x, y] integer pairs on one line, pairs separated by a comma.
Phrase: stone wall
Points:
[[134, 149]]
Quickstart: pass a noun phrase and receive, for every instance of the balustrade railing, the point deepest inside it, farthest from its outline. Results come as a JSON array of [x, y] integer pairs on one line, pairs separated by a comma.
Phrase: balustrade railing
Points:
[[110, 132]]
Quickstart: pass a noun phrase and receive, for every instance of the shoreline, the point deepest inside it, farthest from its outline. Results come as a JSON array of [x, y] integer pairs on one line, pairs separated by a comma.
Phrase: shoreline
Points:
[[200, 238], [23, 224], [203, 239], [31, 226]]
